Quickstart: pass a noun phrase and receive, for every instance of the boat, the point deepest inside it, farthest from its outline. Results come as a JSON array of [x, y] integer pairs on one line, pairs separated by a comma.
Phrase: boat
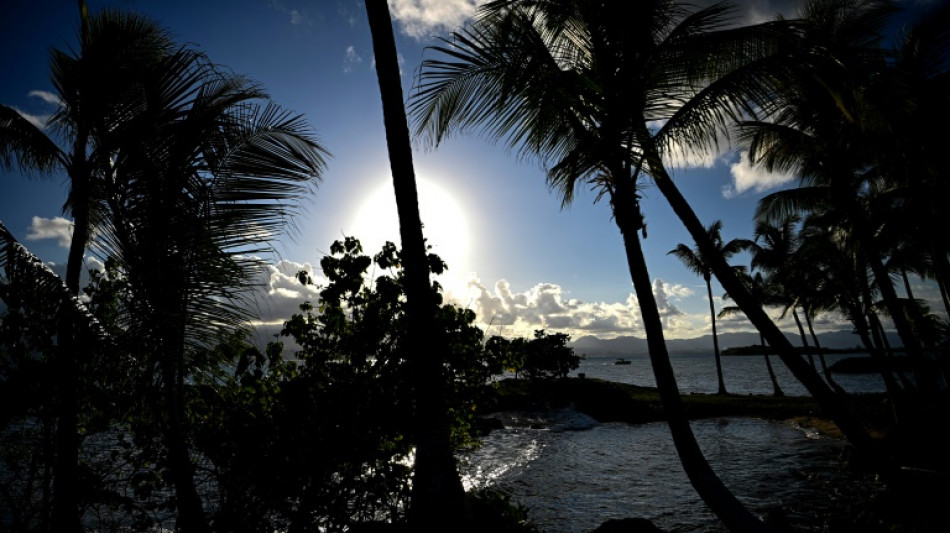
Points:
[[621, 361]]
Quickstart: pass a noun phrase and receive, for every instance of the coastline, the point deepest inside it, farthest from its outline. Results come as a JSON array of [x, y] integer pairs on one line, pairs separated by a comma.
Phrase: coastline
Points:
[[910, 501], [608, 401]]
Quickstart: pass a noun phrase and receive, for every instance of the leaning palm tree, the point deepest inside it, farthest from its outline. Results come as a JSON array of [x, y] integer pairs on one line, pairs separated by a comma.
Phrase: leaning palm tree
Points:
[[437, 492], [120, 48], [580, 84], [583, 85], [829, 132], [696, 263], [766, 293]]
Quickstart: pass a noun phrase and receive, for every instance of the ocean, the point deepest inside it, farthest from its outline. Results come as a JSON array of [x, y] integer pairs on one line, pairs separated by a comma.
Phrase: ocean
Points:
[[573, 473]]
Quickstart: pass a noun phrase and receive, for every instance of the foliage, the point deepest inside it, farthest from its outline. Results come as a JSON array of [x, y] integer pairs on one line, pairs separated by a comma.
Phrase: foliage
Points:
[[333, 423], [548, 356], [494, 511]]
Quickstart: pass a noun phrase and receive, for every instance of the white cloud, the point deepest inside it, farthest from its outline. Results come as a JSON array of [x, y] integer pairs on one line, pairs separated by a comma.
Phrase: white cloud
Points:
[[746, 177], [283, 293], [501, 311], [677, 156], [351, 59], [297, 17], [51, 228], [46, 96], [40, 121], [424, 18]]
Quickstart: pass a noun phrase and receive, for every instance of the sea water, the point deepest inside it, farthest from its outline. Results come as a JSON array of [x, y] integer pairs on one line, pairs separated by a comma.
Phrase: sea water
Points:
[[573, 473], [742, 374]]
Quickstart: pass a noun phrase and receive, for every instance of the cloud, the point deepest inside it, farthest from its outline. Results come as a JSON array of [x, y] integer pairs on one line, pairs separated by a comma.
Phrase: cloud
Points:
[[680, 155], [351, 59], [424, 18], [46, 96], [501, 311], [747, 177], [282, 293], [767, 10], [40, 121], [51, 228], [297, 17]]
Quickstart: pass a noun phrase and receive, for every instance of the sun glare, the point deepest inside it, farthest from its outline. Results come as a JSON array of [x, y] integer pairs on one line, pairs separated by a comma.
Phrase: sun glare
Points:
[[445, 227]]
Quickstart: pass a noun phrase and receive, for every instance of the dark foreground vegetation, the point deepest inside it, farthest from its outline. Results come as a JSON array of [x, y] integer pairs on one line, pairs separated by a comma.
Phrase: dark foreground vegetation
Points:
[[137, 401]]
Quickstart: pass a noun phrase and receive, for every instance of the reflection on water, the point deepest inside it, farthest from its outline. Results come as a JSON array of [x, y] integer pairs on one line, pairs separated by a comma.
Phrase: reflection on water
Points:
[[573, 473]]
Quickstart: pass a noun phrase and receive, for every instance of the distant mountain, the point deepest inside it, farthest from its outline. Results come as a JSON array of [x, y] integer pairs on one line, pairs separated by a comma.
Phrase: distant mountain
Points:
[[633, 346]]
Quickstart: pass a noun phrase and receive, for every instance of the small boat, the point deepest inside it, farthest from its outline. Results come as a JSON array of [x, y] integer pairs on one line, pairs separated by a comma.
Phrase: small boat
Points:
[[621, 361]]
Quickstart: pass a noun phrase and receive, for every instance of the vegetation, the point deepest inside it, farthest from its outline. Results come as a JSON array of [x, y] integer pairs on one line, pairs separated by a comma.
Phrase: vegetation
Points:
[[695, 262], [139, 401], [580, 86], [437, 488]]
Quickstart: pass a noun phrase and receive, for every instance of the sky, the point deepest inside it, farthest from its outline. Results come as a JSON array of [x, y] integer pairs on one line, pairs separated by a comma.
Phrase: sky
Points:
[[516, 256]]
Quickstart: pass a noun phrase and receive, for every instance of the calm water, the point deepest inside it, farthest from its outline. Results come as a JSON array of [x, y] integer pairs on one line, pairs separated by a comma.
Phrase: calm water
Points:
[[742, 374], [574, 473]]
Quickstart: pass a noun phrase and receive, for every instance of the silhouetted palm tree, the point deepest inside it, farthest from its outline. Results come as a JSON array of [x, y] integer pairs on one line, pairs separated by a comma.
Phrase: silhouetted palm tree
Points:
[[829, 132], [203, 178], [765, 292], [93, 85], [580, 84], [437, 493], [696, 263]]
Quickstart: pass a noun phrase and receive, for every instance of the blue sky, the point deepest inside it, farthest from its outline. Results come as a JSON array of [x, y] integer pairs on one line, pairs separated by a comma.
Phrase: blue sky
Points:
[[515, 256]]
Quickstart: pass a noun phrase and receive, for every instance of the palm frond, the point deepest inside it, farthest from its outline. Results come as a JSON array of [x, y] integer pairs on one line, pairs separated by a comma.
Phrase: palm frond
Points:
[[29, 279], [506, 78], [26, 147]]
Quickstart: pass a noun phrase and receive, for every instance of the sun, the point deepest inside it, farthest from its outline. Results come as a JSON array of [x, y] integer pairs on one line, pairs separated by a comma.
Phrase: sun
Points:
[[444, 220]]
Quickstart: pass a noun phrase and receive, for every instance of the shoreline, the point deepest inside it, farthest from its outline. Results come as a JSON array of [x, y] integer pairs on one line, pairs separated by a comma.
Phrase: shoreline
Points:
[[609, 401]]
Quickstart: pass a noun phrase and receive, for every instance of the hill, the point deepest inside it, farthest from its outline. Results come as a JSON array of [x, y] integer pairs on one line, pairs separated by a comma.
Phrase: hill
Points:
[[633, 346]]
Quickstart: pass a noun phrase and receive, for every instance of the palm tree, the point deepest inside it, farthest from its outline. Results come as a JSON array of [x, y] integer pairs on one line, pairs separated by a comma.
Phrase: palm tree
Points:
[[766, 293], [697, 264], [561, 80], [119, 48], [579, 84], [202, 178], [437, 493], [829, 131]]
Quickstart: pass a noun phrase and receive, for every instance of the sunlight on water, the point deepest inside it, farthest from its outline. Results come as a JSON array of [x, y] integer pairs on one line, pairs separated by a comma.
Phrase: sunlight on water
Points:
[[573, 473], [575, 478]]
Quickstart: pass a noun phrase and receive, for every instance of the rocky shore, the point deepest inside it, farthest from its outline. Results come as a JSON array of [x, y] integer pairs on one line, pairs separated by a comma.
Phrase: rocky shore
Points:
[[910, 504]]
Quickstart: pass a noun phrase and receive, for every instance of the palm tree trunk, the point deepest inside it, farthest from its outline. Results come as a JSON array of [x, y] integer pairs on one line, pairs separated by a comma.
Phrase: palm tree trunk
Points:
[[922, 372], [907, 288], [776, 390], [66, 469], [856, 434], [877, 353], [805, 345], [437, 493], [821, 354], [942, 273], [701, 475], [712, 313], [191, 518]]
